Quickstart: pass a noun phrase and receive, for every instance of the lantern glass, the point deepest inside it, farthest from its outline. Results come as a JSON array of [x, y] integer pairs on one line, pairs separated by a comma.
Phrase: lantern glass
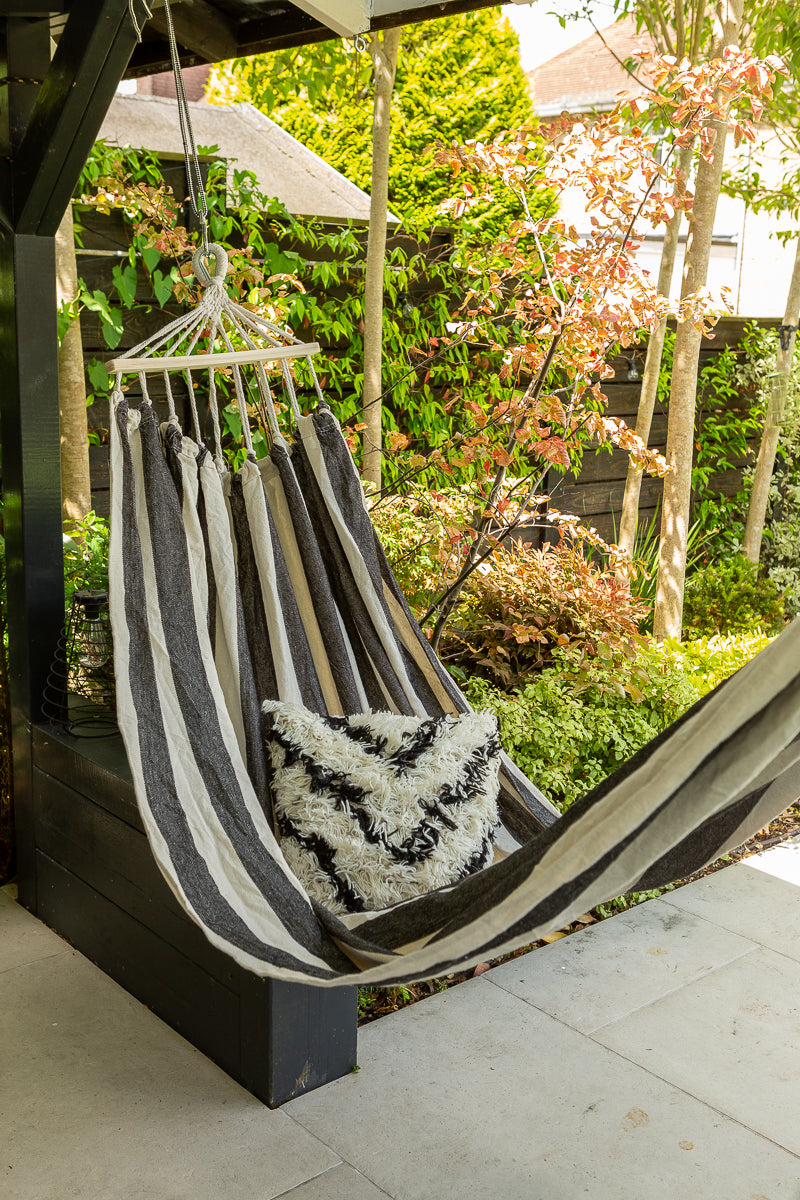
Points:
[[80, 693]]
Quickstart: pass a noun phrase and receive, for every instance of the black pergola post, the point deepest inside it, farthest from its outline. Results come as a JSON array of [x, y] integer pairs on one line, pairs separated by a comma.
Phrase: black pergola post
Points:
[[29, 427], [83, 864]]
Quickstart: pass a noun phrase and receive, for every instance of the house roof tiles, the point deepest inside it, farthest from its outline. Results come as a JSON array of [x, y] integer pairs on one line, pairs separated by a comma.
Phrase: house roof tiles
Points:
[[589, 75]]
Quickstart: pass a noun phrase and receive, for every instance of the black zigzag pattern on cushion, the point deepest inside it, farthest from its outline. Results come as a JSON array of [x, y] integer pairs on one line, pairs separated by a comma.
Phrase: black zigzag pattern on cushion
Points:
[[437, 813]]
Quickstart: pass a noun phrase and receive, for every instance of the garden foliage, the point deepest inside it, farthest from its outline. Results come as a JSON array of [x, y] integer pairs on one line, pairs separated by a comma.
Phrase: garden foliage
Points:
[[515, 614], [731, 596], [570, 727], [457, 78]]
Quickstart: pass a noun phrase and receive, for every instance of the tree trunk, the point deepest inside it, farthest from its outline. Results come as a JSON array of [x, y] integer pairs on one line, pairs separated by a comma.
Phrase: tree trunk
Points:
[[383, 48], [675, 504], [759, 498], [676, 501], [76, 490], [652, 367]]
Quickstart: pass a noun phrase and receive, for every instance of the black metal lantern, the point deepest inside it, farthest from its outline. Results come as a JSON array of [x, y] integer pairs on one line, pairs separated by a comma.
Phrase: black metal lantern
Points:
[[80, 694]]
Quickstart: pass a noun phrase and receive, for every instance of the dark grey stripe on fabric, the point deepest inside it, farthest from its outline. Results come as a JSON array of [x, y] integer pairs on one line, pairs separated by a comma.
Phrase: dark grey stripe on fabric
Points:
[[302, 658], [350, 501], [173, 580], [522, 814], [366, 645], [251, 718], [318, 583], [249, 701], [173, 439], [255, 618]]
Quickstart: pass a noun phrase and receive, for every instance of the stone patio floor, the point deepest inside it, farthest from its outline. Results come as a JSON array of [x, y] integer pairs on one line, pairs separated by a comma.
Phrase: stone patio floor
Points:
[[654, 1056]]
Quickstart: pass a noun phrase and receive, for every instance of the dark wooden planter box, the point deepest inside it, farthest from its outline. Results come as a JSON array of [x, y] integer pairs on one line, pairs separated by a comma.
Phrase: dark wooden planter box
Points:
[[97, 885]]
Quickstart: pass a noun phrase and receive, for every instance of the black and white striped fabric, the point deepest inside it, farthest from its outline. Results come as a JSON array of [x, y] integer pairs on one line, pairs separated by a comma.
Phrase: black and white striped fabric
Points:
[[230, 589]]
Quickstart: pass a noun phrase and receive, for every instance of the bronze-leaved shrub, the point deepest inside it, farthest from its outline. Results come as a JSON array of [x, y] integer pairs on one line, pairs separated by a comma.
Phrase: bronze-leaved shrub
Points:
[[520, 605]]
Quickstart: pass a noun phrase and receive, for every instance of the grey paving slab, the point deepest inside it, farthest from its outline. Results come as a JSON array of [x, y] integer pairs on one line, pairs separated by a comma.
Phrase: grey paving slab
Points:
[[757, 899], [730, 1039], [23, 939], [619, 965], [102, 1101], [340, 1183], [475, 1093], [782, 861]]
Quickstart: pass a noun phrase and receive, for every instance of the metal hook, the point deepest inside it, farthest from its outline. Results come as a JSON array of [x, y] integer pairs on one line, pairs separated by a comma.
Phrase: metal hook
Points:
[[220, 264], [359, 43]]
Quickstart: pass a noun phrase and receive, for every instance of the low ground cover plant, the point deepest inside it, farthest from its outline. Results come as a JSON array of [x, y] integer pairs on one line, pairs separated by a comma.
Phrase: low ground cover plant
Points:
[[732, 595], [570, 726]]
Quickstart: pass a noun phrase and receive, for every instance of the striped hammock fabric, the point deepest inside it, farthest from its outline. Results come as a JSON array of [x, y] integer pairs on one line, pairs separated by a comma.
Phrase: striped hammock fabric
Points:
[[269, 583]]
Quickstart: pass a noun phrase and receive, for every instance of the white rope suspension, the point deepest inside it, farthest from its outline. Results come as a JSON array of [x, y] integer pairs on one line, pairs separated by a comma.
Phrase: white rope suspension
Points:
[[219, 325], [217, 334]]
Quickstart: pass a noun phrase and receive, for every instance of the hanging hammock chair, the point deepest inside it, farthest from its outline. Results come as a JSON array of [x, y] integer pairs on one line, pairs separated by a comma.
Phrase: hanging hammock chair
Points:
[[229, 588]]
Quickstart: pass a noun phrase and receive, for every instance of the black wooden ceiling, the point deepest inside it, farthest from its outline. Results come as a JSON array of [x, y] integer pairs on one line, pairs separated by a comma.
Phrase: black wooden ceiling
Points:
[[215, 30]]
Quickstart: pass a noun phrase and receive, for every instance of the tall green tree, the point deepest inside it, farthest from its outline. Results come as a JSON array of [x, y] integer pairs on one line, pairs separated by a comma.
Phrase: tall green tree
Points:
[[457, 79]]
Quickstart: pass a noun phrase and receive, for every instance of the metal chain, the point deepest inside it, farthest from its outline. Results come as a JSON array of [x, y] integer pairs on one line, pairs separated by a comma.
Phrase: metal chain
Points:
[[194, 179]]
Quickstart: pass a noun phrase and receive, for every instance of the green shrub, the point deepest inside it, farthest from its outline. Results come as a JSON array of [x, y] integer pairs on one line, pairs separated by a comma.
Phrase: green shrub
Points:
[[729, 596], [572, 725], [86, 555], [704, 662]]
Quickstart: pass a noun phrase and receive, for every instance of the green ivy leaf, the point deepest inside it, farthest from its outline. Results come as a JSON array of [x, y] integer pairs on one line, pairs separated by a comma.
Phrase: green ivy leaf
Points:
[[151, 257], [110, 318], [162, 286], [98, 375], [125, 282]]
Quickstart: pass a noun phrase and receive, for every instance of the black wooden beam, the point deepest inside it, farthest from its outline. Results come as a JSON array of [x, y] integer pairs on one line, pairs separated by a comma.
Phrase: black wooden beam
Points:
[[287, 28], [32, 8], [88, 64], [24, 62], [201, 28], [29, 435], [284, 29]]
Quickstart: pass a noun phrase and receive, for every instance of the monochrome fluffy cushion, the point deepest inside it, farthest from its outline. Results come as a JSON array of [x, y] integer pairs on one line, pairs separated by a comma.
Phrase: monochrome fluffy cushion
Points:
[[376, 808]]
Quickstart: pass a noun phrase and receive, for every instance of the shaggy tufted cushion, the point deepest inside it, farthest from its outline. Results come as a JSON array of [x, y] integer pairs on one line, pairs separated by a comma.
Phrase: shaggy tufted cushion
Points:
[[376, 808]]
